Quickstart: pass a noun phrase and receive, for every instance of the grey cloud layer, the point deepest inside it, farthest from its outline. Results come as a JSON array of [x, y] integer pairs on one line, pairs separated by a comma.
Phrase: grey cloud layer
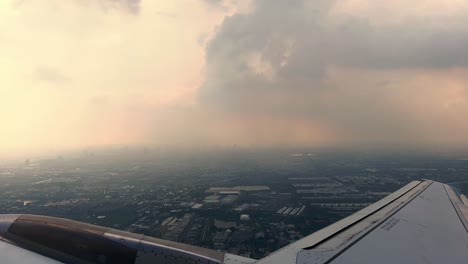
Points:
[[274, 60]]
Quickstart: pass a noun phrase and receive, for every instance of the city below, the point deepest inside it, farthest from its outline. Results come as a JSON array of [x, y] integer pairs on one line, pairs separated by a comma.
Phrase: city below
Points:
[[245, 202]]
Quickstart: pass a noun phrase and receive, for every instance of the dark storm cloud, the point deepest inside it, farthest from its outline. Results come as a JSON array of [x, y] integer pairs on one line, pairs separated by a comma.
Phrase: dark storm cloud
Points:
[[274, 60], [412, 45]]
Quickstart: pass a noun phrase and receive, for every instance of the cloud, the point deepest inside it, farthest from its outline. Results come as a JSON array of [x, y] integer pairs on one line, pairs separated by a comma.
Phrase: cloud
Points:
[[370, 82], [167, 14], [99, 101], [132, 6], [51, 75], [215, 3]]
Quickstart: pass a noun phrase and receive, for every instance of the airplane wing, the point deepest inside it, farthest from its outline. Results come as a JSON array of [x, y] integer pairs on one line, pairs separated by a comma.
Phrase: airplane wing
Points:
[[423, 222]]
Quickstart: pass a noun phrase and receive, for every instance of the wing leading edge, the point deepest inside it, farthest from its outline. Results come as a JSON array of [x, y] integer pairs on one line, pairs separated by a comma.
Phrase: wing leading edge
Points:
[[423, 222]]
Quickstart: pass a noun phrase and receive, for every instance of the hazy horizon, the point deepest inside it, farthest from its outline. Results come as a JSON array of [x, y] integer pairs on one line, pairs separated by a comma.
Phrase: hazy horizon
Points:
[[260, 73]]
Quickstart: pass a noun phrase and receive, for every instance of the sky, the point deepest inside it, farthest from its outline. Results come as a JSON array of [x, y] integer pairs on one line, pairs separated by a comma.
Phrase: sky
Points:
[[83, 73]]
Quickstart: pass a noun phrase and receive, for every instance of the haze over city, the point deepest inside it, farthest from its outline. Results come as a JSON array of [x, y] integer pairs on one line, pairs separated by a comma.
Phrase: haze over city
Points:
[[83, 73]]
